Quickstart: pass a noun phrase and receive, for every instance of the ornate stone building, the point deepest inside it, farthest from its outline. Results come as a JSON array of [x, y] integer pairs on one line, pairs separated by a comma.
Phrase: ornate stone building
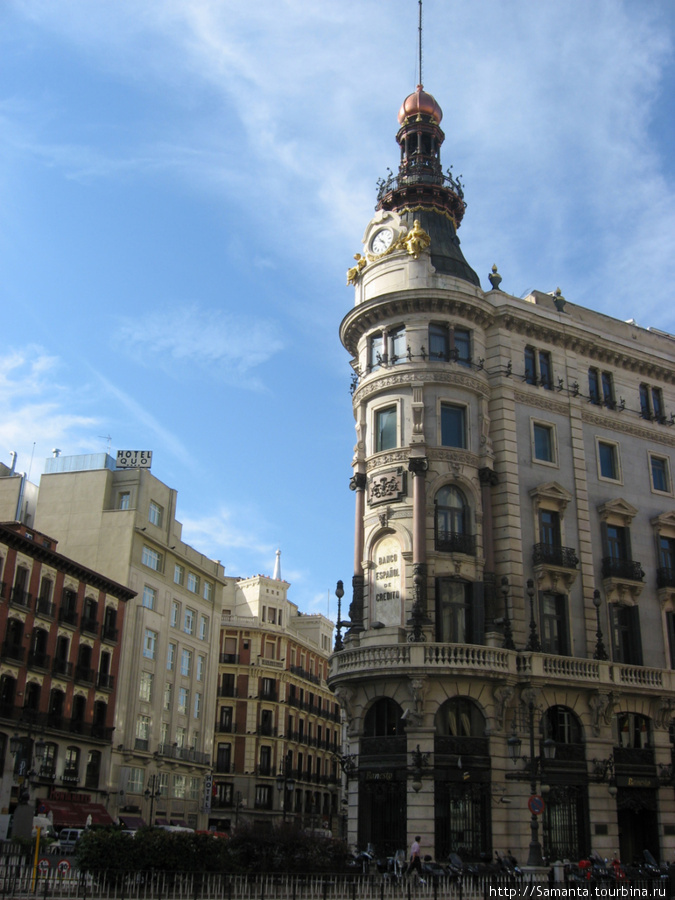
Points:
[[514, 558]]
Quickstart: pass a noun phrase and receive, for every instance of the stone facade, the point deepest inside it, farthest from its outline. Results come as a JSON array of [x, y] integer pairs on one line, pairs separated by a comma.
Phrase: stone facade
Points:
[[514, 550]]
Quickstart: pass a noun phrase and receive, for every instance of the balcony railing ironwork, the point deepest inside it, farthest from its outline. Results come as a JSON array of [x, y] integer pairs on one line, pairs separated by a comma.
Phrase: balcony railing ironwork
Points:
[[89, 625], [10, 650], [68, 616], [627, 569], [44, 607], [548, 554], [38, 660], [455, 542], [20, 597], [665, 577], [62, 667]]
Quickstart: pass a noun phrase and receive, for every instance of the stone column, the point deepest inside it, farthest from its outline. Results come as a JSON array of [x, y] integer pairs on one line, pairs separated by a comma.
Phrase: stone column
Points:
[[358, 485], [418, 466]]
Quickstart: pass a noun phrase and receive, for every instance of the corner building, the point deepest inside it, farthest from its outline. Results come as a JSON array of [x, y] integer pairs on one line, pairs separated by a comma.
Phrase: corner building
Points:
[[514, 554]]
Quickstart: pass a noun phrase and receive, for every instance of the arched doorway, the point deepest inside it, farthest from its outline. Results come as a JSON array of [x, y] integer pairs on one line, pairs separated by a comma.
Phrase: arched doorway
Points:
[[382, 779], [462, 782], [636, 783]]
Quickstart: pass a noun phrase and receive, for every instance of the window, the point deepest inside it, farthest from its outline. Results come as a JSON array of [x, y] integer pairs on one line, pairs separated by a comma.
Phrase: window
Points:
[[268, 688], [203, 628], [162, 783], [124, 500], [178, 574], [632, 731], [263, 796], [545, 370], [179, 787], [150, 644], [594, 387], [626, 641], [549, 528], [143, 728], [168, 695], [201, 667], [376, 351], [189, 621], [155, 513], [543, 439], [149, 597], [452, 521], [192, 583], [397, 345], [226, 719], [651, 403], [554, 630], [385, 429], [660, 474], [181, 734], [538, 368], [183, 700], [387, 348], [145, 687], [207, 591], [151, 558], [135, 780], [197, 705], [607, 382], [186, 663], [608, 461], [667, 553], [670, 628], [195, 788], [601, 388], [459, 612], [164, 733], [175, 613], [223, 758], [171, 657], [453, 425], [448, 343]]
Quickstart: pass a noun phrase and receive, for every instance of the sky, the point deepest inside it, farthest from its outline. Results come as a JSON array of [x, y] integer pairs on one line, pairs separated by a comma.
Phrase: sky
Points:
[[183, 184]]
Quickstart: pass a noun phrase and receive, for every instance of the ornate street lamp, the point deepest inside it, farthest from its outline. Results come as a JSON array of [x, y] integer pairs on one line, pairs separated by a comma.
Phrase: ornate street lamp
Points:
[[152, 793], [600, 652], [285, 780]]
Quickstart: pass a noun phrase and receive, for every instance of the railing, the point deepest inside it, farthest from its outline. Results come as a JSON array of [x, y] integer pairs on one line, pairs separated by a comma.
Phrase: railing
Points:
[[44, 607], [38, 660], [303, 673], [455, 542], [547, 554], [109, 634], [270, 663], [223, 768], [229, 658], [185, 754], [62, 667], [89, 625], [20, 597], [13, 651], [68, 616], [627, 569], [85, 675], [105, 682], [227, 690], [465, 656], [665, 577]]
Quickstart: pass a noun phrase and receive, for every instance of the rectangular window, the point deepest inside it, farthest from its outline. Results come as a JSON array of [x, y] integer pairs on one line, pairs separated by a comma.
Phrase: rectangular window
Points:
[[385, 429], [223, 757], [544, 444], [376, 351], [193, 583], [651, 403], [163, 782], [554, 630], [135, 780], [608, 461], [203, 628], [660, 474], [667, 556], [439, 342], [175, 613], [171, 657], [186, 663], [183, 700], [181, 736], [168, 696], [155, 513], [164, 733], [145, 687], [626, 640], [545, 370], [124, 501], [453, 426], [460, 617], [197, 705], [594, 386], [645, 402], [207, 593], [617, 542], [670, 627], [461, 351], [195, 788], [178, 574], [657, 405], [263, 796], [397, 345], [189, 621], [149, 597], [179, 787], [201, 667], [142, 732], [608, 390], [150, 644], [530, 365], [549, 528], [151, 558]]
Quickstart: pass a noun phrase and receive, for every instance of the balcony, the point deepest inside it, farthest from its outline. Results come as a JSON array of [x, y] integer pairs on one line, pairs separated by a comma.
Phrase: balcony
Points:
[[105, 682], [184, 754], [665, 578], [85, 675], [109, 634], [38, 660], [13, 651], [20, 598], [227, 690], [141, 744], [44, 608], [68, 616], [305, 675], [549, 555], [223, 767], [266, 731], [455, 542], [63, 668], [89, 625], [70, 777], [622, 569], [229, 658]]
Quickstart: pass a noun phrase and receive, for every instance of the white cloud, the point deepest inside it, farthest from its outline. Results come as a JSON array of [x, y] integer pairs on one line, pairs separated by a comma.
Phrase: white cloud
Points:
[[230, 346], [227, 536]]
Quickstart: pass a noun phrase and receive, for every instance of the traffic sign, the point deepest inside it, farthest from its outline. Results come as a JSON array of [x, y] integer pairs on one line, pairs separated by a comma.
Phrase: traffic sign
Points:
[[63, 867], [536, 804], [44, 864]]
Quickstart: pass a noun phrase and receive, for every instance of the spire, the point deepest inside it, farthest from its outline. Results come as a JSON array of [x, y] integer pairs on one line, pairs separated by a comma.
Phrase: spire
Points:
[[277, 567]]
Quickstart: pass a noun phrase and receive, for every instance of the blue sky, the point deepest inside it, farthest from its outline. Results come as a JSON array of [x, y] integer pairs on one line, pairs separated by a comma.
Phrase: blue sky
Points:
[[183, 184]]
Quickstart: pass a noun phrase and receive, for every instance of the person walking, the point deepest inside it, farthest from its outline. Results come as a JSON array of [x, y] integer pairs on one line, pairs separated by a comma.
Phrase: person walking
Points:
[[415, 858]]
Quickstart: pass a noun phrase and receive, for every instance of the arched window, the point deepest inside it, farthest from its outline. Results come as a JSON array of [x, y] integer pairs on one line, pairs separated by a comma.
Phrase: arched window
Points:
[[452, 521], [71, 769], [632, 730], [561, 725], [383, 719], [460, 717]]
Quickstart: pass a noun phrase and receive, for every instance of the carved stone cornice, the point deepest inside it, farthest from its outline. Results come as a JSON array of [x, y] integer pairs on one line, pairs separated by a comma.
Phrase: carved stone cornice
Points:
[[454, 458], [389, 458], [402, 303], [542, 399], [658, 434], [416, 373]]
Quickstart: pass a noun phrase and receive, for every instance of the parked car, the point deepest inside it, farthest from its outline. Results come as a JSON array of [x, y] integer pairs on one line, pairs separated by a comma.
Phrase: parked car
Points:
[[69, 837]]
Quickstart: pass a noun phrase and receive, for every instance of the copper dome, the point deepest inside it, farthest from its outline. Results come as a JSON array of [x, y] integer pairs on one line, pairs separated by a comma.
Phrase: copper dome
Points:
[[420, 102]]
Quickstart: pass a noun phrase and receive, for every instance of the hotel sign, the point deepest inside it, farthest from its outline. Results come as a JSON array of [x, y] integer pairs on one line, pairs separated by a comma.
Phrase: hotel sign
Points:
[[134, 459]]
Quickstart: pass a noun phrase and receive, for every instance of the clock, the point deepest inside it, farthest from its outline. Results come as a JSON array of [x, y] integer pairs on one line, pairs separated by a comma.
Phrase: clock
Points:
[[382, 241]]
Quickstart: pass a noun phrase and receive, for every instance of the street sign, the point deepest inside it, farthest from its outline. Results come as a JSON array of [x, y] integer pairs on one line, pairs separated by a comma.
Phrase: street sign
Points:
[[44, 864], [63, 867], [536, 804]]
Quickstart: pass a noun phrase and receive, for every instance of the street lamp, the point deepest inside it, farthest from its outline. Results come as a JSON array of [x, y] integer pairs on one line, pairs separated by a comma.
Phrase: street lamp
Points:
[[285, 781], [23, 748], [153, 792], [239, 803], [600, 652], [535, 765]]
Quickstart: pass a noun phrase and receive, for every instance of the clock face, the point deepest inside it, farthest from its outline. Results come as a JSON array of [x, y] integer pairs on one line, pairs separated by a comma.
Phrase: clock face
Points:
[[382, 241]]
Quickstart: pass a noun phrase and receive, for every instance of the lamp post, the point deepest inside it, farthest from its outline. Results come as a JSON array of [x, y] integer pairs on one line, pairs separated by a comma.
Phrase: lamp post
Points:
[[23, 748], [534, 764], [600, 652], [152, 792], [285, 781], [339, 593], [508, 632], [239, 803], [533, 642]]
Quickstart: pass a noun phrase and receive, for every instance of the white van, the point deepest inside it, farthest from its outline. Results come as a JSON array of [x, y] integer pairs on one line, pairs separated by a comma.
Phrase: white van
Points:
[[69, 837], [47, 830]]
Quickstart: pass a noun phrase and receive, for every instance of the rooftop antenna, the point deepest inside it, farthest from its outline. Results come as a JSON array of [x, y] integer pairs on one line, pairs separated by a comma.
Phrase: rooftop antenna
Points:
[[108, 438], [419, 29]]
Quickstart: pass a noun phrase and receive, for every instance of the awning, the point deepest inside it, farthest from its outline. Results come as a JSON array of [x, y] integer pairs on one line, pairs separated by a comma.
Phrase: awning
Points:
[[161, 821], [132, 821], [67, 814]]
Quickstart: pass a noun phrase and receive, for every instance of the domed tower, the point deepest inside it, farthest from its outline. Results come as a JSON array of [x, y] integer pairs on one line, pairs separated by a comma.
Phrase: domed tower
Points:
[[423, 567]]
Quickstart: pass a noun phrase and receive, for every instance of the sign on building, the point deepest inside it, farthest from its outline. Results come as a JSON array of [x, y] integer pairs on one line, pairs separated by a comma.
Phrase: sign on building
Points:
[[208, 791], [134, 459]]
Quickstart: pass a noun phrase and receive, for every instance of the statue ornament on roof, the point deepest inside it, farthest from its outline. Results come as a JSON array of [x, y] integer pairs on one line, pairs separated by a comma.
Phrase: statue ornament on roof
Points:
[[416, 240]]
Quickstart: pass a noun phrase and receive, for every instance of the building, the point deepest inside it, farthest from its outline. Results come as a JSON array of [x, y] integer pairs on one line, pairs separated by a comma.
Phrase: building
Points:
[[59, 662], [278, 727], [514, 571], [121, 521]]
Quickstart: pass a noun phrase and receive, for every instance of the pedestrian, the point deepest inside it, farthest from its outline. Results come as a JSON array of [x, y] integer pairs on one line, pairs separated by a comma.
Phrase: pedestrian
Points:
[[415, 858]]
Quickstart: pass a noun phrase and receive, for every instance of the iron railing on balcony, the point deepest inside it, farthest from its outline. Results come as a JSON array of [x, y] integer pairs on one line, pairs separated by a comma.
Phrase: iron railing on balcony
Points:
[[227, 690], [20, 597], [38, 660], [85, 675], [627, 569], [10, 650], [547, 554], [185, 754], [68, 616], [44, 607], [303, 673], [229, 658], [109, 634], [455, 542], [105, 682], [62, 667], [90, 625], [665, 577]]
